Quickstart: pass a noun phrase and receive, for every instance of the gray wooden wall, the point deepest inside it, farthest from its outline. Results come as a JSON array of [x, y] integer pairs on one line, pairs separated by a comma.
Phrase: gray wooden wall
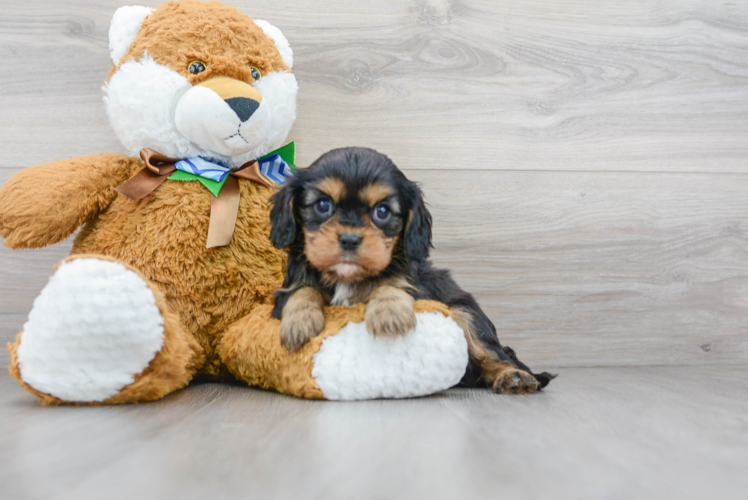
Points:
[[585, 160]]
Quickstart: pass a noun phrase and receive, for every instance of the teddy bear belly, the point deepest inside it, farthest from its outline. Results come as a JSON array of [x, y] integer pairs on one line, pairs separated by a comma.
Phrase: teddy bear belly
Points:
[[163, 236]]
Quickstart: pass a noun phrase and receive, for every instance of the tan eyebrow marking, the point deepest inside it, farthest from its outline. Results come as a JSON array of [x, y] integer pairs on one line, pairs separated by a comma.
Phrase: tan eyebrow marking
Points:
[[333, 187], [374, 193]]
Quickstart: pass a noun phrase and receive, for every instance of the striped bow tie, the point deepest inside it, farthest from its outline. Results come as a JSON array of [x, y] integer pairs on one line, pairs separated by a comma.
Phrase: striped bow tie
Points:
[[270, 170], [203, 168], [274, 167]]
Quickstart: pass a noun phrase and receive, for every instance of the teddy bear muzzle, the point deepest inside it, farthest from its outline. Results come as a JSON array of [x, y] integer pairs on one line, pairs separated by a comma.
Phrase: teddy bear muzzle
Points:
[[223, 115]]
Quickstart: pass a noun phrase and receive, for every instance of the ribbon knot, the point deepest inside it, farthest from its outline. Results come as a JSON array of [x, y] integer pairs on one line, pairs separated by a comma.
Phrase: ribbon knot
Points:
[[222, 182]]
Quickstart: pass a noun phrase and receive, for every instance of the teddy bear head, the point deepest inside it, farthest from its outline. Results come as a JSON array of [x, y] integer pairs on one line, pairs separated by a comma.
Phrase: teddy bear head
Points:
[[201, 79]]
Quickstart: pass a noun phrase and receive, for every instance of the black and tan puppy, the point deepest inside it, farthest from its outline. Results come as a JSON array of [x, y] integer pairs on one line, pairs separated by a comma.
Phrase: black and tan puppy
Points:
[[358, 230]]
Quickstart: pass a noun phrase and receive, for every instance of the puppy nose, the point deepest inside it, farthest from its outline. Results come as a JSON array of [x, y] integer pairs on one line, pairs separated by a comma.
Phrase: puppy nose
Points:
[[349, 241], [243, 107]]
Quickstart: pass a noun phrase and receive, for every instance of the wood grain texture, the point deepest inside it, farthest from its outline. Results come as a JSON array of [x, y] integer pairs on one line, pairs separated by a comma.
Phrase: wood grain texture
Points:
[[585, 161], [601, 268], [621, 433], [576, 85]]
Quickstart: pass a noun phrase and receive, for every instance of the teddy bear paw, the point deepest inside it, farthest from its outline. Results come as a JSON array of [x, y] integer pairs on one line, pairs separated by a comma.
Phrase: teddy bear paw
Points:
[[93, 328]]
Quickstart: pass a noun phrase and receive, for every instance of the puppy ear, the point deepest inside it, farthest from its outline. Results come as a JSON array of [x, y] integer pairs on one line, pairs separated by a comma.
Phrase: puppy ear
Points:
[[283, 231], [418, 227]]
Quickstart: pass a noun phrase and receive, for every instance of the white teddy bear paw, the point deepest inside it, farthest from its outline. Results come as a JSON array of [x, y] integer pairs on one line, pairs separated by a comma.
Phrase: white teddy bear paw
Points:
[[354, 364], [92, 329]]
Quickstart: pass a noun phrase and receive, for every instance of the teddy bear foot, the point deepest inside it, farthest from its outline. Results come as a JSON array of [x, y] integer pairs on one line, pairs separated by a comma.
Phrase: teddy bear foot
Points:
[[355, 365], [345, 362], [97, 334]]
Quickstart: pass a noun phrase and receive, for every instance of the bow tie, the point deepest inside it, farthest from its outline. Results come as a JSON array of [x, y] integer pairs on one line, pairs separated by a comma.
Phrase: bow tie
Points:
[[270, 170]]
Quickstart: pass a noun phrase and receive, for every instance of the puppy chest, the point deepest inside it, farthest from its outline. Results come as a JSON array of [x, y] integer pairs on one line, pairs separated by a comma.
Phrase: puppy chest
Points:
[[343, 295], [348, 294]]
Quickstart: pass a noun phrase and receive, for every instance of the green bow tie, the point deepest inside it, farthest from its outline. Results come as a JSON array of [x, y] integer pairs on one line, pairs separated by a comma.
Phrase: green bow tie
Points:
[[287, 153]]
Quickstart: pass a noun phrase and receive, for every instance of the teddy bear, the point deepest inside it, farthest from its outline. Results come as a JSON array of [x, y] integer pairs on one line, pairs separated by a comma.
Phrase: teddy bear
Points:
[[172, 272]]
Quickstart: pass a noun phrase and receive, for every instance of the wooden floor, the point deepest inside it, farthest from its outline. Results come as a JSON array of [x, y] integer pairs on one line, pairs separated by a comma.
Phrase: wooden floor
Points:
[[628, 433]]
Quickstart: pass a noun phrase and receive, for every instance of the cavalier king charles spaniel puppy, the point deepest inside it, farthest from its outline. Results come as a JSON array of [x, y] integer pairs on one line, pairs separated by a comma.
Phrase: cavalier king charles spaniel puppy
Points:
[[358, 230]]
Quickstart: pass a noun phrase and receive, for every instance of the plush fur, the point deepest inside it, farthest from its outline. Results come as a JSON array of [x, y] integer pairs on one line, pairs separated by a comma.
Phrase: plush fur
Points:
[[208, 288], [345, 362], [163, 236], [214, 303], [358, 231], [172, 368], [65, 194], [124, 28]]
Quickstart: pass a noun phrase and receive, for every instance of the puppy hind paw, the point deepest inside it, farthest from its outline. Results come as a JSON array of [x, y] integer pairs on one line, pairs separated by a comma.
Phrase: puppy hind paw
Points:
[[515, 381], [300, 326]]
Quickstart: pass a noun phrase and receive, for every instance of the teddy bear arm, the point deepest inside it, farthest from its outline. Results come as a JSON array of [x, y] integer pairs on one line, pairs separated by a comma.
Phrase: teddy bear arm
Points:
[[345, 362], [45, 204]]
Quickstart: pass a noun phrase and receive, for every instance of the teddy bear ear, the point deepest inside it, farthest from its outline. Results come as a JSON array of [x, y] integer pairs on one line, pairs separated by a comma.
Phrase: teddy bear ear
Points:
[[125, 25], [280, 41]]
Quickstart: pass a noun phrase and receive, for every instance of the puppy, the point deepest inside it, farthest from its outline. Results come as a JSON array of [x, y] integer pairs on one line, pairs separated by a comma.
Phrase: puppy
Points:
[[357, 230]]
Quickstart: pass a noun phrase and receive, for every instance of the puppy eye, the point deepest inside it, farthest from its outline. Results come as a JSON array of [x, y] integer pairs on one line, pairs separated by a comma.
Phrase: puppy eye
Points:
[[196, 67], [323, 206], [382, 212], [256, 75]]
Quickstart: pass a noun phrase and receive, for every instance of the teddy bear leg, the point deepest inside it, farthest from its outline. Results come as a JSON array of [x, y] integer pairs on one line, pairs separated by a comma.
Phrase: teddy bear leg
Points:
[[345, 361], [100, 333]]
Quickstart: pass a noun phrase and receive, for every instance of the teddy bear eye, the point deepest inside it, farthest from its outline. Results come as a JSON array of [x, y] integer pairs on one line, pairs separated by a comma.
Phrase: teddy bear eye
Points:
[[256, 75], [196, 67]]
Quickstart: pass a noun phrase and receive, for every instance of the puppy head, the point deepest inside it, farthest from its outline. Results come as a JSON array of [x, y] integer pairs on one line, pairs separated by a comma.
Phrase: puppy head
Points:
[[353, 213]]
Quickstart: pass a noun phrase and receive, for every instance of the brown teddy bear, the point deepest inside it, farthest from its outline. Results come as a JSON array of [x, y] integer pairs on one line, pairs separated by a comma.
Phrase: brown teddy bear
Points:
[[172, 273]]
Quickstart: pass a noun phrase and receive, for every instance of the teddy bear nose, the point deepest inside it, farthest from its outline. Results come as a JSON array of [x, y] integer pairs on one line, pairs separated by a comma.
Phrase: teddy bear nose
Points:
[[243, 107], [349, 241]]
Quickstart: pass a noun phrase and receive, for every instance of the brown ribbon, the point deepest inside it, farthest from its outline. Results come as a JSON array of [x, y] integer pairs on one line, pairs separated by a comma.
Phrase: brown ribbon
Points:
[[224, 208]]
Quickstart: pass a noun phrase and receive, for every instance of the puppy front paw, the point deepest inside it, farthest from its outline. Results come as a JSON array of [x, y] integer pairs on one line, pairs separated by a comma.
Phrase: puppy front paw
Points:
[[515, 381], [299, 326], [390, 317]]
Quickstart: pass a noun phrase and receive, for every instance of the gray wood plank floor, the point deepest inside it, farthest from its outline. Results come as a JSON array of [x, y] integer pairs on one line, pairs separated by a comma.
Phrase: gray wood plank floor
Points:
[[667, 432]]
